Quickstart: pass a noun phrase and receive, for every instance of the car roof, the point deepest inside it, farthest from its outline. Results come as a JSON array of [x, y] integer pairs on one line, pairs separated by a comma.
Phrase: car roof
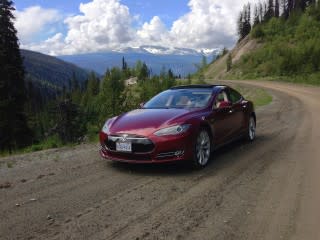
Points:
[[215, 88]]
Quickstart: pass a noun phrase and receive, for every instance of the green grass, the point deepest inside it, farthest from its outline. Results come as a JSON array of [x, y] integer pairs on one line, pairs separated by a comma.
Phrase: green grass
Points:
[[51, 142], [93, 132], [259, 96]]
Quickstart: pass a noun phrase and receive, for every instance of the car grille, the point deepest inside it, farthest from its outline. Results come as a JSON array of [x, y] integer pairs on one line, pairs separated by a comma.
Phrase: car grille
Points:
[[129, 156], [139, 144]]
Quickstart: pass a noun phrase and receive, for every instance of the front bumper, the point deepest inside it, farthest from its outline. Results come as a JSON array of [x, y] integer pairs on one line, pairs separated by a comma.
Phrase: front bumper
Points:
[[166, 149]]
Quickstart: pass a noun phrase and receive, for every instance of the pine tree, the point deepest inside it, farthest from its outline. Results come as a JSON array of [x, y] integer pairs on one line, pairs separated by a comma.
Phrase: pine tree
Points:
[[285, 10], [256, 18], [301, 4], [170, 74], [144, 72], [124, 64], [247, 20], [76, 89], [240, 25], [110, 99], [125, 69], [14, 131], [261, 13], [244, 22], [270, 11], [93, 84], [68, 118], [290, 6], [265, 10], [277, 9]]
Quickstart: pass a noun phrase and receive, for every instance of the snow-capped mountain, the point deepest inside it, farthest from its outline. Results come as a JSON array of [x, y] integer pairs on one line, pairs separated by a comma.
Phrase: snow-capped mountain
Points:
[[160, 50], [182, 61]]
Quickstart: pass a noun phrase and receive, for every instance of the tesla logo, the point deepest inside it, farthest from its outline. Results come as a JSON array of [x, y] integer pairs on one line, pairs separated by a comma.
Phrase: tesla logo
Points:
[[124, 137]]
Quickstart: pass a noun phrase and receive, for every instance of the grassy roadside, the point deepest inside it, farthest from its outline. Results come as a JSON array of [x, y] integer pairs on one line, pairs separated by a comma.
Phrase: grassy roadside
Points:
[[311, 80], [259, 96], [49, 143]]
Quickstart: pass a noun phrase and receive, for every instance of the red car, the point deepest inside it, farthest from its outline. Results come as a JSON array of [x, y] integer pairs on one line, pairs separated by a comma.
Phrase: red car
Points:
[[182, 123]]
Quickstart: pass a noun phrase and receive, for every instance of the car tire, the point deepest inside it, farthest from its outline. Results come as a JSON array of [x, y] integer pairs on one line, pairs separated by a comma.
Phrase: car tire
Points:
[[251, 131], [202, 149]]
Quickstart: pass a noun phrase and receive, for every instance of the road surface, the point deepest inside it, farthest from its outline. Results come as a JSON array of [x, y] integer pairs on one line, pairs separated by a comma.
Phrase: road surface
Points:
[[268, 189]]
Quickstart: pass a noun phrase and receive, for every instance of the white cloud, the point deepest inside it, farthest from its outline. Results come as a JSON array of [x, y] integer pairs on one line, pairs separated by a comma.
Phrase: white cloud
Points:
[[103, 24], [53, 46], [209, 24], [154, 32], [33, 20], [108, 24]]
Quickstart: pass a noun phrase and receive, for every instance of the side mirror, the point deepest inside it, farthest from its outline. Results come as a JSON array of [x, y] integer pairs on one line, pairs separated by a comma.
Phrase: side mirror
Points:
[[225, 104], [141, 105]]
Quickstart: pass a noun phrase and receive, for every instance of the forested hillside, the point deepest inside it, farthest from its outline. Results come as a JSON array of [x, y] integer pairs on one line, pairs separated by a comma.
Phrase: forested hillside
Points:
[[278, 40], [79, 111], [50, 72]]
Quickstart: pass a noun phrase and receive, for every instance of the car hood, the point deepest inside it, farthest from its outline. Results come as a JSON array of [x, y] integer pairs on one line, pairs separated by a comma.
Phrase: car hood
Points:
[[146, 121]]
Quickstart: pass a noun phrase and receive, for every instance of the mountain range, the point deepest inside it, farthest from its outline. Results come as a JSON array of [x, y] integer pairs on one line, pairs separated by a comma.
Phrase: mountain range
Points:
[[49, 73], [182, 61], [160, 50]]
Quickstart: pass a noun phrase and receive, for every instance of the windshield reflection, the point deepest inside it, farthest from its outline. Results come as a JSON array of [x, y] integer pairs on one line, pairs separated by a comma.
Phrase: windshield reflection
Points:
[[180, 98]]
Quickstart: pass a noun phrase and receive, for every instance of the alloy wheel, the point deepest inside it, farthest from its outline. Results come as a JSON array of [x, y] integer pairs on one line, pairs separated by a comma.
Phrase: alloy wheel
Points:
[[203, 148], [252, 129]]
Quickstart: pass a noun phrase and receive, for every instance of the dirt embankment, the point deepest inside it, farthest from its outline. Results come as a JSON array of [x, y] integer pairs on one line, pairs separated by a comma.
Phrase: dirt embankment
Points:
[[264, 190], [218, 69]]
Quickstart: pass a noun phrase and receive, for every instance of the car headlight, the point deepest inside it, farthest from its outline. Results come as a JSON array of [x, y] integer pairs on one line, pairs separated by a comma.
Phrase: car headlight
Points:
[[105, 128], [174, 130]]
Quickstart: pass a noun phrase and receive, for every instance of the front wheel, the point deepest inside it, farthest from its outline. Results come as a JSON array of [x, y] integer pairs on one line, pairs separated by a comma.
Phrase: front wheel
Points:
[[202, 150], [251, 134]]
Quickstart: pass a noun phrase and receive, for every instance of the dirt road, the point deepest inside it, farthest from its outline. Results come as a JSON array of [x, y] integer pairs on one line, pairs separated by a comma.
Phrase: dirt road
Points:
[[265, 190]]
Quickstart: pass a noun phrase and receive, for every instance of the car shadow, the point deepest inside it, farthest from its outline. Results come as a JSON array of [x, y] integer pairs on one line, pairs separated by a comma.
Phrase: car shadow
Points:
[[220, 158]]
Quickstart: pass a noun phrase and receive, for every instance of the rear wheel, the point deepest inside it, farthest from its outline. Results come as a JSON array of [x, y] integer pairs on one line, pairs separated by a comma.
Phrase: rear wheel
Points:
[[202, 150], [251, 134]]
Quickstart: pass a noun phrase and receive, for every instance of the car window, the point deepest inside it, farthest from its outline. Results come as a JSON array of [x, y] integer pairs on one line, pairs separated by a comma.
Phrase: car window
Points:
[[181, 98], [234, 96], [221, 97]]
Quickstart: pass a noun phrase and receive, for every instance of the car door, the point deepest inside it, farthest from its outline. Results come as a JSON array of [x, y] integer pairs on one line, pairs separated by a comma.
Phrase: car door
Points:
[[237, 116], [221, 120]]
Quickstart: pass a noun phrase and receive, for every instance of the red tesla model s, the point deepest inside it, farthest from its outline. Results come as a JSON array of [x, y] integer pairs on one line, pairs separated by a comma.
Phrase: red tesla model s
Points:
[[182, 123]]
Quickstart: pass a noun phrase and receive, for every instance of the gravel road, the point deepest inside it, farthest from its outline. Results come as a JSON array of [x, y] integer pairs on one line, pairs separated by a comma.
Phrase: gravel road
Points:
[[268, 189]]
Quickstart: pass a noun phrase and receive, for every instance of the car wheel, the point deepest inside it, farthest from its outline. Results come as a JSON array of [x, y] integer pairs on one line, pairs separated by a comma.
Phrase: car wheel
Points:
[[202, 150], [251, 134]]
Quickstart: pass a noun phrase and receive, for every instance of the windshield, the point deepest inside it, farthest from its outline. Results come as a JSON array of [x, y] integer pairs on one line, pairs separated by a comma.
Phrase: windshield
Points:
[[180, 98]]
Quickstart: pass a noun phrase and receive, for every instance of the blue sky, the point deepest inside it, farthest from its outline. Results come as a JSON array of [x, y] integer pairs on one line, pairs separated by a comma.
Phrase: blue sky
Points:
[[69, 27], [168, 10]]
